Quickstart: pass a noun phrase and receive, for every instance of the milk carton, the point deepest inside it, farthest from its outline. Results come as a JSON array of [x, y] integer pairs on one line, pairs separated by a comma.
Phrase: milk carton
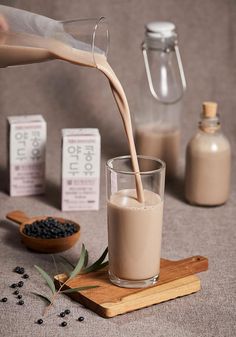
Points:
[[81, 157], [26, 158]]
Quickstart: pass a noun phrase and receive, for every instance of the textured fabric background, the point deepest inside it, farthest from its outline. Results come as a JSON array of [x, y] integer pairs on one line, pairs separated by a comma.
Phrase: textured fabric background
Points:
[[69, 96]]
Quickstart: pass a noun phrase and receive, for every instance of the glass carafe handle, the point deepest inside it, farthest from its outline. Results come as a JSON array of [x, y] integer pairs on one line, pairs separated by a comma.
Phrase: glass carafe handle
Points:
[[149, 76]]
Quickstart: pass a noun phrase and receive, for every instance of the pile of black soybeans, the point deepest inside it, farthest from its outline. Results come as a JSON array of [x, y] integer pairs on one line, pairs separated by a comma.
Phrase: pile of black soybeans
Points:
[[50, 228]]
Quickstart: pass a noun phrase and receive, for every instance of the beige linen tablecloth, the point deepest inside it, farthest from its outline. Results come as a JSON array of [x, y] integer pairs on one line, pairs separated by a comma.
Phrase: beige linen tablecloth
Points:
[[78, 97]]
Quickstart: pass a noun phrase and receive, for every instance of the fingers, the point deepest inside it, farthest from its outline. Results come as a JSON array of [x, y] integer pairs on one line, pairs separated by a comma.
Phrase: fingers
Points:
[[3, 24]]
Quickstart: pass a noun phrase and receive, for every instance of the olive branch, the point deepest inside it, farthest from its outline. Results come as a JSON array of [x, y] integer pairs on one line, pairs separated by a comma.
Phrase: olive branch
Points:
[[79, 268]]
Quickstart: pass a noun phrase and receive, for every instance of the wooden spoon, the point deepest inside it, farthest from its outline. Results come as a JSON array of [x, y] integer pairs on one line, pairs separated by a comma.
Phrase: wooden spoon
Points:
[[43, 245]]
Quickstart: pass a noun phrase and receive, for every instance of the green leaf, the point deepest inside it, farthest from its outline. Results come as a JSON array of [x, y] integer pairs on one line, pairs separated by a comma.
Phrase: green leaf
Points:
[[67, 261], [102, 265], [86, 259], [74, 290], [96, 265], [47, 278], [43, 297], [80, 263]]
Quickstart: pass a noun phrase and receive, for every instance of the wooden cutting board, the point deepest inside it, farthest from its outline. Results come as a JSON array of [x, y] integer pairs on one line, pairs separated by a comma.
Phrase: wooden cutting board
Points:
[[177, 278]]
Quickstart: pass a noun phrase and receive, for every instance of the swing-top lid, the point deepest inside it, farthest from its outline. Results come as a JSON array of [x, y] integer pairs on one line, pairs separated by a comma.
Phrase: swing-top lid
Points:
[[160, 29]]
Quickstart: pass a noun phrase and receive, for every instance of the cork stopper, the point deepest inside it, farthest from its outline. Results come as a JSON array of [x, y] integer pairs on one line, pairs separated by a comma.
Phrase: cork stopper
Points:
[[209, 109]]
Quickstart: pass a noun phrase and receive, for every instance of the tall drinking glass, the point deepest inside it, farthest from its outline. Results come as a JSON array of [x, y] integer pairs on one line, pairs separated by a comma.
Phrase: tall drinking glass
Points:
[[134, 228]]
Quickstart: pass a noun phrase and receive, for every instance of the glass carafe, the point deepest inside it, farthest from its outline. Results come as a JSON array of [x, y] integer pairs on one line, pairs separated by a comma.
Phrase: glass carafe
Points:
[[163, 84], [28, 38]]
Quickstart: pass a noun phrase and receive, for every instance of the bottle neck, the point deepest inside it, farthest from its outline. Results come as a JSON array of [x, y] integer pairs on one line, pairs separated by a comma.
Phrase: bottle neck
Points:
[[209, 124], [164, 44]]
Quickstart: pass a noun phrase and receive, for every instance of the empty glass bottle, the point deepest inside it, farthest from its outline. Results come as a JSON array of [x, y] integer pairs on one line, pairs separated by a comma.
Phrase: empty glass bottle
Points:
[[163, 84]]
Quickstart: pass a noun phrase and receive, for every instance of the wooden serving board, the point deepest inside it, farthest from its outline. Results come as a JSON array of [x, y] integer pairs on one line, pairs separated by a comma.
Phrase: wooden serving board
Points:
[[177, 278]]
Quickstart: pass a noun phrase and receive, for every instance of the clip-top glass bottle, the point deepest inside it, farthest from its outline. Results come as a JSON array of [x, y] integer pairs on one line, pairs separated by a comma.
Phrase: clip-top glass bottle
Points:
[[208, 162], [158, 115]]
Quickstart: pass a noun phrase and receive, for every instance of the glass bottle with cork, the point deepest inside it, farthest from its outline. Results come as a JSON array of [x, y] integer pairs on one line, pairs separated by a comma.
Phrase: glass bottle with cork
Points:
[[208, 161]]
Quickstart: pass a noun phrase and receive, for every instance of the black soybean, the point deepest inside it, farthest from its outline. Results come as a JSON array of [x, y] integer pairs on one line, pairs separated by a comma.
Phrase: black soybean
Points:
[[22, 271], [64, 324], [50, 228], [17, 270], [14, 285]]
